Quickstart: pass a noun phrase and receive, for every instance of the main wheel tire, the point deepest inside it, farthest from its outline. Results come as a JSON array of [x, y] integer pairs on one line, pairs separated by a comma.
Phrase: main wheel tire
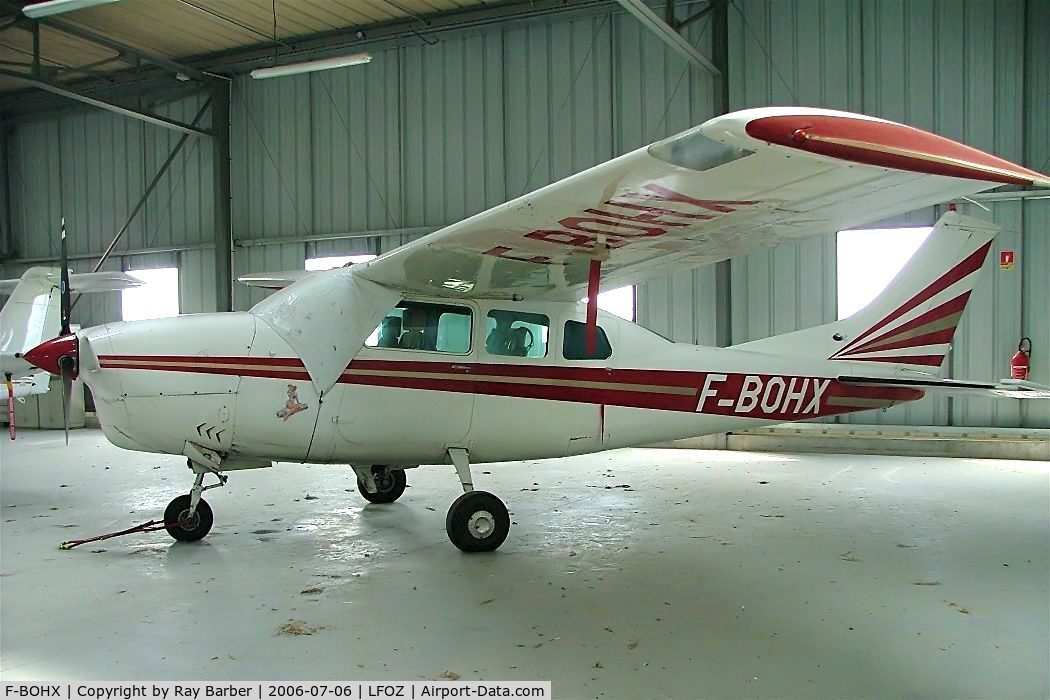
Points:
[[390, 482], [477, 521], [183, 526]]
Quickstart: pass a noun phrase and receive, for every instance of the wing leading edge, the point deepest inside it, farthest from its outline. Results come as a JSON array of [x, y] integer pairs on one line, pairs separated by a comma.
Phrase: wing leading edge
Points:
[[736, 184]]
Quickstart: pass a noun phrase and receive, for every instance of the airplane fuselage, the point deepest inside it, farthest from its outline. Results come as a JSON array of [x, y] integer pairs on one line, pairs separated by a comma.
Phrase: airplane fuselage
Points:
[[230, 383]]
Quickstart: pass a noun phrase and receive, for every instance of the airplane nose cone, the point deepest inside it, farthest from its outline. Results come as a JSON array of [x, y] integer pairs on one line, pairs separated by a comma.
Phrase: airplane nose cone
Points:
[[51, 355]]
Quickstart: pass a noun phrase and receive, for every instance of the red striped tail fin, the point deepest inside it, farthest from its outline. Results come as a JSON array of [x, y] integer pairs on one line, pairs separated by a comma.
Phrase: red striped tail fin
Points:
[[912, 322]]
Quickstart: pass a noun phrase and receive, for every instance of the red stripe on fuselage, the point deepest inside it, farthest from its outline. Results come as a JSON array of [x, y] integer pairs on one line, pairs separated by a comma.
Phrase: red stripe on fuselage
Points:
[[764, 396]]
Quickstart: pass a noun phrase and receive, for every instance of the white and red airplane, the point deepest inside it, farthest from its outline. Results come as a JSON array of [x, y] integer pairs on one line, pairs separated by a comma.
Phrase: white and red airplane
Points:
[[469, 346], [31, 315]]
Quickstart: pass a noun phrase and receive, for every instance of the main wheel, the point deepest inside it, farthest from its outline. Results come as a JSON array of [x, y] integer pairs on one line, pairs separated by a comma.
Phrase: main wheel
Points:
[[183, 526], [389, 482], [477, 521]]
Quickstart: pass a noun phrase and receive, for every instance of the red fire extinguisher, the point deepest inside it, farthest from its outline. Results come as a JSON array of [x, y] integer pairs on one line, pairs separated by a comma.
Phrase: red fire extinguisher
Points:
[[1019, 363]]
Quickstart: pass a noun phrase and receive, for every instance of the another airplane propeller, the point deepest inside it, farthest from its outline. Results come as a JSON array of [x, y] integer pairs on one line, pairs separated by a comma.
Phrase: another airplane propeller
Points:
[[67, 363]]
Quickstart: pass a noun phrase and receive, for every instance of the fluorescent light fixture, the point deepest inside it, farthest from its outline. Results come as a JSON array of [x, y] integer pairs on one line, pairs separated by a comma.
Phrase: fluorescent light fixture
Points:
[[57, 7], [310, 66]]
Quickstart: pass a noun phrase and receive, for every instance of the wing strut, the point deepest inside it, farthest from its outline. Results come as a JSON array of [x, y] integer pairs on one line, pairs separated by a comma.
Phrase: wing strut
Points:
[[594, 278]]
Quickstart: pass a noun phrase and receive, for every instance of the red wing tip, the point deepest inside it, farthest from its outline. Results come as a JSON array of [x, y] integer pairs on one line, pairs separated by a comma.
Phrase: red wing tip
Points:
[[890, 145]]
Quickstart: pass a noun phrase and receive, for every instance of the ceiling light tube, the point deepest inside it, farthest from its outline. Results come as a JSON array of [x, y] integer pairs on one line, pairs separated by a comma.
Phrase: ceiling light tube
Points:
[[310, 66], [57, 7]]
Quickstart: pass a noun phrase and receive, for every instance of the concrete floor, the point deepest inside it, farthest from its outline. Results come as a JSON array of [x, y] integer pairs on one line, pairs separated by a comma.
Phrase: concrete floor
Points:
[[714, 575]]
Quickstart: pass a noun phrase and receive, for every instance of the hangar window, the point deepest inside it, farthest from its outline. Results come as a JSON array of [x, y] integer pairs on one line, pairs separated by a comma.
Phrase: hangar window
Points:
[[869, 259], [416, 325], [574, 345], [619, 301], [330, 261], [516, 334], [158, 297]]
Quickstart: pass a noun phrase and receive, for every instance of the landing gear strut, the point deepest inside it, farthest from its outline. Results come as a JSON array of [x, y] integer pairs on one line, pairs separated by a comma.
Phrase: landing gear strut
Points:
[[380, 484], [188, 518], [477, 521]]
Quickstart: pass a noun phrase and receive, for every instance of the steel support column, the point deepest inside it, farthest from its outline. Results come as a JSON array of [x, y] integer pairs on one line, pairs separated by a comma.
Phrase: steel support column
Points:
[[220, 129], [724, 270], [6, 220]]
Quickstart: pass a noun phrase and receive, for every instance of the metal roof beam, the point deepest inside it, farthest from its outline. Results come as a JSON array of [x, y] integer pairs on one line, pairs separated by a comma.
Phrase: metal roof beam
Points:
[[667, 34], [113, 107], [103, 40]]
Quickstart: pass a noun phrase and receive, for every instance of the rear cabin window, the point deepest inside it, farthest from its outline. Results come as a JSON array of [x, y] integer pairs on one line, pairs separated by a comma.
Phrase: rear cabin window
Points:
[[574, 346], [516, 334], [416, 325]]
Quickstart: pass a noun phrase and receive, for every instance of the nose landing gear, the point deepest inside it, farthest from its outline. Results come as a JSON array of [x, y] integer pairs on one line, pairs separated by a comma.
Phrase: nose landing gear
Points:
[[186, 523], [188, 518]]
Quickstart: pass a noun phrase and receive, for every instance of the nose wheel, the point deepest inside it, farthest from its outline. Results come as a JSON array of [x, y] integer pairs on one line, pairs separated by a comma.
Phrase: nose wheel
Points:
[[188, 518], [186, 525]]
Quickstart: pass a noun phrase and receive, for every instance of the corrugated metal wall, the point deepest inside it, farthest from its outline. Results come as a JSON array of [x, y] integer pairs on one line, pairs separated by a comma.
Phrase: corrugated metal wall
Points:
[[92, 167], [428, 134], [957, 68]]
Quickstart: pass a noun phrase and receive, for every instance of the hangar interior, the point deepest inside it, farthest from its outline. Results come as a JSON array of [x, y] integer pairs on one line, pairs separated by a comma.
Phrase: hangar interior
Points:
[[460, 111], [907, 587]]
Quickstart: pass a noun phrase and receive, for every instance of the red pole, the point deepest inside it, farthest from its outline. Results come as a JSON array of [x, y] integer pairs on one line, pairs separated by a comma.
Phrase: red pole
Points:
[[10, 407], [593, 281]]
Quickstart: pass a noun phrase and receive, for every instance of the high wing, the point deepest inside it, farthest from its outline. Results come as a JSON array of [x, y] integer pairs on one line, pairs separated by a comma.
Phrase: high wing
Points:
[[738, 183]]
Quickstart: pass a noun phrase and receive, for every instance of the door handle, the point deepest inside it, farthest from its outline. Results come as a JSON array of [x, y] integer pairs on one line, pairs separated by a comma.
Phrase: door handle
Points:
[[465, 368]]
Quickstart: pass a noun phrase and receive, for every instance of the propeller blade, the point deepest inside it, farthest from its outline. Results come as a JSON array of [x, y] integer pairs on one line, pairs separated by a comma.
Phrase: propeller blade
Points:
[[66, 307], [67, 396]]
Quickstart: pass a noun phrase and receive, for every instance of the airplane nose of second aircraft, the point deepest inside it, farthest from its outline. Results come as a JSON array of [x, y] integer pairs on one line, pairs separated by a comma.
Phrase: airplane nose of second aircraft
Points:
[[51, 355]]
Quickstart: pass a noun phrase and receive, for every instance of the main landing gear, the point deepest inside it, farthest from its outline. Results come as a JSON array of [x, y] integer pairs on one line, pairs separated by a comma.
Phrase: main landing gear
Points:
[[380, 484], [477, 521]]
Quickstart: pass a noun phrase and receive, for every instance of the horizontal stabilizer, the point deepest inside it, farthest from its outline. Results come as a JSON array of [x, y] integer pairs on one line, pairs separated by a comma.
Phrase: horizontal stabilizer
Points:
[[273, 280], [1008, 388], [29, 385]]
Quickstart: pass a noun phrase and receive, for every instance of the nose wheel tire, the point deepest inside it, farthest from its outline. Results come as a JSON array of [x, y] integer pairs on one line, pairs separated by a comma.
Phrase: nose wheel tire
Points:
[[477, 521], [183, 526], [389, 482]]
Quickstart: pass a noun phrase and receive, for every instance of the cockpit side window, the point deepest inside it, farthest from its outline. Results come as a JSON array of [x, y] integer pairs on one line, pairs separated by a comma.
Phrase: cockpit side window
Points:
[[516, 333], [417, 325], [574, 344]]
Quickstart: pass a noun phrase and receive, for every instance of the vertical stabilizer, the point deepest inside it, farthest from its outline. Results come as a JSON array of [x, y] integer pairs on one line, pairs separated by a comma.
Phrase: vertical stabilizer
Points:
[[912, 322], [29, 317]]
